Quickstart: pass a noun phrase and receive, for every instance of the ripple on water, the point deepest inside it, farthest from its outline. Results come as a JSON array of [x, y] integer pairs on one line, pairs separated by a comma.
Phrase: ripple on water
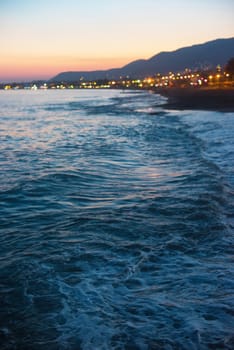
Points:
[[116, 224]]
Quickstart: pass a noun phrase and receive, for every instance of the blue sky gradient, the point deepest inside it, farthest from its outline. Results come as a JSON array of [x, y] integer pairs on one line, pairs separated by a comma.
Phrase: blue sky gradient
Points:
[[41, 38]]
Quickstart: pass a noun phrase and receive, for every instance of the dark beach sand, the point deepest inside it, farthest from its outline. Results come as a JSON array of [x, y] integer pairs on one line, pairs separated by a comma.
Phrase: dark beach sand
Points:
[[221, 99]]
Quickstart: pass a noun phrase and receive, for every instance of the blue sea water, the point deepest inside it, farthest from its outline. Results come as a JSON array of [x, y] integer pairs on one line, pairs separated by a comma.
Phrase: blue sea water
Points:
[[116, 223]]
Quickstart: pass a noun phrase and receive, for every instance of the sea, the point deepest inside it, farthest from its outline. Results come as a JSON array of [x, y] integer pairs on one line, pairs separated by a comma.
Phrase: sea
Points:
[[116, 223]]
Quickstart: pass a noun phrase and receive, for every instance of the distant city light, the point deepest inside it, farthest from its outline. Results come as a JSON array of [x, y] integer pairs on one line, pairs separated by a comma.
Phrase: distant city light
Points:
[[217, 78]]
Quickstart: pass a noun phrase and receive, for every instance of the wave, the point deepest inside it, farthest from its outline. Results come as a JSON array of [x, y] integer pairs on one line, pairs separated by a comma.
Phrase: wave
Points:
[[115, 234]]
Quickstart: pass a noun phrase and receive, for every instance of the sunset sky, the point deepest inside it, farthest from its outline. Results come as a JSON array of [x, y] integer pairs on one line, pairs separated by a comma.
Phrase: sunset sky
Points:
[[40, 38]]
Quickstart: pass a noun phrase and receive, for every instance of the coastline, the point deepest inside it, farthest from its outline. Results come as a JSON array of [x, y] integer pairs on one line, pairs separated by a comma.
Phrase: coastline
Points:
[[219, 99]]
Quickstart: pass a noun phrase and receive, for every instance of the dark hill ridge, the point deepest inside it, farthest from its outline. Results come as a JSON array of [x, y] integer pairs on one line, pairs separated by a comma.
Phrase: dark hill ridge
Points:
[[209, 54]]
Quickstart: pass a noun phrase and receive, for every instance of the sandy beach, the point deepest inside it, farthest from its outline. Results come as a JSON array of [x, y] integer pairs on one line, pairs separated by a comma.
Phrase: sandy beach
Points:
[[199, 98]]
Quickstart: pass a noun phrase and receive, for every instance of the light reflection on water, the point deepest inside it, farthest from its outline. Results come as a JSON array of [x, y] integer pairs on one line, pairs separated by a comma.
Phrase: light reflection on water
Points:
[[116, 223]]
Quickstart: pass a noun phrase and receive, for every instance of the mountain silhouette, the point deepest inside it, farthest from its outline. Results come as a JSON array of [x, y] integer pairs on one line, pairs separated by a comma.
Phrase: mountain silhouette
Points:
[[202, 56]]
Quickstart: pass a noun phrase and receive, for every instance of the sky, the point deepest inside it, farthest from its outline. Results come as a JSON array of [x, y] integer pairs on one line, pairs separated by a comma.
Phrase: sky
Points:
[[41, 38]]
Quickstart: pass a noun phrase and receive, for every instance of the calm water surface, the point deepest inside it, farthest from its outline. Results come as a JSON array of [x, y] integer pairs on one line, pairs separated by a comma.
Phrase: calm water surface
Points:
[[116, 227]]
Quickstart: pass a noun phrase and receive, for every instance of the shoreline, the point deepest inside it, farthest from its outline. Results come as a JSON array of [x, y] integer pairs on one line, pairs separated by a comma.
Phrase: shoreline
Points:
[[218, 99]]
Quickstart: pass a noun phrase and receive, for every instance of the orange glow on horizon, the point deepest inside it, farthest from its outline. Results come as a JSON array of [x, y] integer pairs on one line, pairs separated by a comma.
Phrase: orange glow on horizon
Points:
[[33, 68], [40, 39]]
